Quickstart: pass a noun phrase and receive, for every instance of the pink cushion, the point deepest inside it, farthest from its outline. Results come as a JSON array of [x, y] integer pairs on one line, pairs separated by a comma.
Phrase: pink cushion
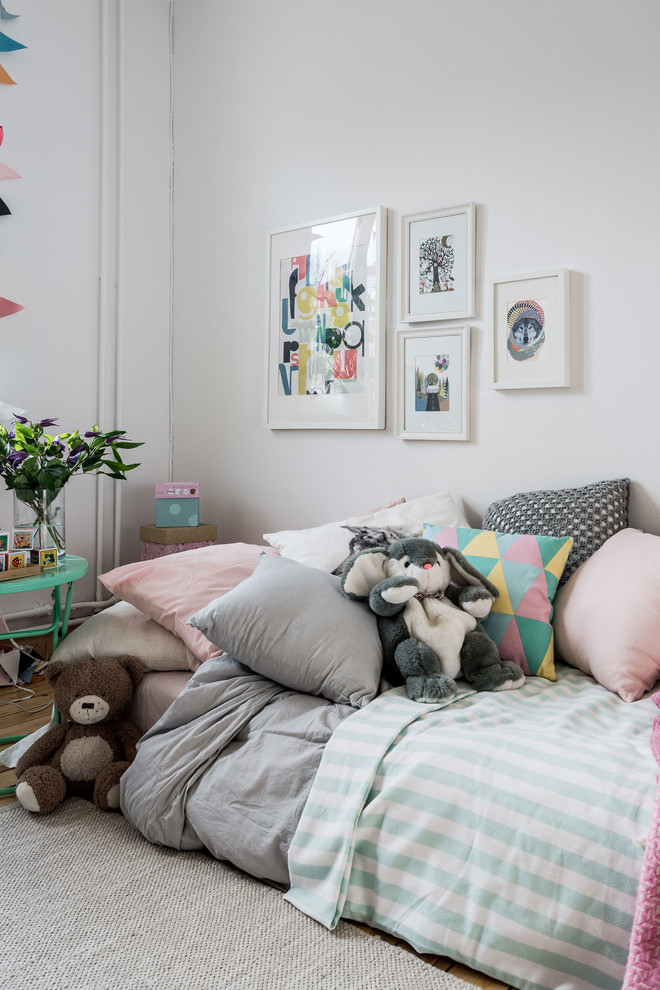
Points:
[[607, 615], [171, 589]]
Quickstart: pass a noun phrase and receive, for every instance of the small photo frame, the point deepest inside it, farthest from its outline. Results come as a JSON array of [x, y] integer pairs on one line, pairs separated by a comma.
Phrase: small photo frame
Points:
[[4, 541], [433, 381], [17, 560], [438, 250], [531, 332], [3, 561], [23, 539]]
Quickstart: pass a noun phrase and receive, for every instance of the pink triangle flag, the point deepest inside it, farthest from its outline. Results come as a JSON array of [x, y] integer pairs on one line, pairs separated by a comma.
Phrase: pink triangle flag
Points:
[[7, 307], [7, 173]]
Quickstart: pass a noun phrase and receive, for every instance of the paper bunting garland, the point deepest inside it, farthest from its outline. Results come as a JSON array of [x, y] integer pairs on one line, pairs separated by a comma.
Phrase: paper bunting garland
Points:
[[7, 173], [8, 44], [8, 308]]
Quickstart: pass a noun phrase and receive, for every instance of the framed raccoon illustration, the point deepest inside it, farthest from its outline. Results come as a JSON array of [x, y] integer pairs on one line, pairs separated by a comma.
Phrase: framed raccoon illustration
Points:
[[530, 331]]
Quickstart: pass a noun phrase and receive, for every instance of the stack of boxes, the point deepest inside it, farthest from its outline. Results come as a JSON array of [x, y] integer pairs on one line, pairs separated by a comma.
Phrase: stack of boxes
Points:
[[177, 522]]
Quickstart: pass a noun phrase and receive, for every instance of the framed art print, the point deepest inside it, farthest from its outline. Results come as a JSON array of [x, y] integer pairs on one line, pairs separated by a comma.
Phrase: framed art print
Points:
[[433, 382], [530, 345], [438, 265], [325, 365]]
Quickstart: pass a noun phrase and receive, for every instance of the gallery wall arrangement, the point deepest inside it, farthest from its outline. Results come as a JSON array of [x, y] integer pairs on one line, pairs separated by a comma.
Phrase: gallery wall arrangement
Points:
[[325, 366]]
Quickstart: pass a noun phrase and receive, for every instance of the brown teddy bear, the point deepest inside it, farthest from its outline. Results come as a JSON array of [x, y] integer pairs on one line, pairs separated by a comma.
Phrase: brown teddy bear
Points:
[[86, 755]]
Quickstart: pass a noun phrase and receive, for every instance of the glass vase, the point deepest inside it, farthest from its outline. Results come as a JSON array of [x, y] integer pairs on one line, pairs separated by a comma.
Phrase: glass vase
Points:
[[39, 520]]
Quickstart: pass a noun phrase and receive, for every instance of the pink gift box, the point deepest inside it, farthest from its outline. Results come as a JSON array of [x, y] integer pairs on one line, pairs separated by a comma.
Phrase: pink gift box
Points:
[[149, 550]]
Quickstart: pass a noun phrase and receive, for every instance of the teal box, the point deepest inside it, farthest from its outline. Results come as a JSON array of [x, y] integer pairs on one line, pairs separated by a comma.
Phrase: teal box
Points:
[[177, 512]]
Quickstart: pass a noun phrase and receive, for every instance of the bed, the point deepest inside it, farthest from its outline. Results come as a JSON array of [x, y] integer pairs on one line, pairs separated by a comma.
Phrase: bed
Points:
[[506, 830]]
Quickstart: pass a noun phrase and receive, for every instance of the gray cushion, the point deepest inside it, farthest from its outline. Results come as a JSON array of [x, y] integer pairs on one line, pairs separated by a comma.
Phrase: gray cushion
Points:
[[290, 622], [590, 514]]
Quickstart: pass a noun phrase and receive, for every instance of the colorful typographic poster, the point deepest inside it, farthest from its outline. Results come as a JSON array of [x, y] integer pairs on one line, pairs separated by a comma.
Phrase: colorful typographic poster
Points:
[[325, 348], [323, 313]]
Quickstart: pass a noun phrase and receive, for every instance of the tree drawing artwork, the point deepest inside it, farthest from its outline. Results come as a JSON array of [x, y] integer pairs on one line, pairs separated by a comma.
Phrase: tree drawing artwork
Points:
[[436, 264]]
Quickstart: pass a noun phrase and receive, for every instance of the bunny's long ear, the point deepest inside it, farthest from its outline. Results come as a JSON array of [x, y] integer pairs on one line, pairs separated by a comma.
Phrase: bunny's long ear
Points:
[[363, 572], [465, 573]]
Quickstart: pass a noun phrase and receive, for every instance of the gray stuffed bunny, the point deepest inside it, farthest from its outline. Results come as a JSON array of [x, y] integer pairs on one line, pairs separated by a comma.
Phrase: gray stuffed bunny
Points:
[[428, 600]]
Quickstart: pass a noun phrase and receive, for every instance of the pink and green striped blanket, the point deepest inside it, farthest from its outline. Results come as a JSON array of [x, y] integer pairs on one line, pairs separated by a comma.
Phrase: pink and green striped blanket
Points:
[[502, 830]]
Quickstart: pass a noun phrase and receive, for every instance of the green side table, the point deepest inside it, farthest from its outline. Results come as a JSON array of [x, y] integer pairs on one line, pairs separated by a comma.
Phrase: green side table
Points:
[[66, 573]]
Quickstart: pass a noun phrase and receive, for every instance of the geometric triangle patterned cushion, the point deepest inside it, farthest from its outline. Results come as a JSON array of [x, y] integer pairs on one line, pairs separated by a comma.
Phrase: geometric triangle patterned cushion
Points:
[[526, 571]]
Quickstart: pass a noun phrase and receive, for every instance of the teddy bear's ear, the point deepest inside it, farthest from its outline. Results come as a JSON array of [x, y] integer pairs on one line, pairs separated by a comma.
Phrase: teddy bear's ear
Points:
[[54, 669], [363, 572], [133, 666]]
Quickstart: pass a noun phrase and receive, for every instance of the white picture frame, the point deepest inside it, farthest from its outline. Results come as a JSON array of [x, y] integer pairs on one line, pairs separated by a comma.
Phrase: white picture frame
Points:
[[325, 364], [433, 383], [438, 265], [530, 343]]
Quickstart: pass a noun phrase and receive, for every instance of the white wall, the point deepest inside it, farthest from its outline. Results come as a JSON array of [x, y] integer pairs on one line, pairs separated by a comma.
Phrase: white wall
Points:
[[545, 115], [86, 249]]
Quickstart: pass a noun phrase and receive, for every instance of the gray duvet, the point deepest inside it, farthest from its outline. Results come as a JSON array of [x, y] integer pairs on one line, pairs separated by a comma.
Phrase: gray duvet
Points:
[[229, 766]]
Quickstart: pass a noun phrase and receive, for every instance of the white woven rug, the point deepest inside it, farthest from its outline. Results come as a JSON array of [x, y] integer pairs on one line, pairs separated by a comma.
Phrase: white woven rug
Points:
[[86, 903]]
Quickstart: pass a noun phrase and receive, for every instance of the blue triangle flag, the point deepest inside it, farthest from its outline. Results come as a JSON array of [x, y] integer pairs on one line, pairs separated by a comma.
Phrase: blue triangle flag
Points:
[[8, 44]]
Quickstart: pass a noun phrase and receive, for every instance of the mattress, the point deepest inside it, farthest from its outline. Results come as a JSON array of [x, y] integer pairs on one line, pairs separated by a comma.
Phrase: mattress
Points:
[[154, 695]]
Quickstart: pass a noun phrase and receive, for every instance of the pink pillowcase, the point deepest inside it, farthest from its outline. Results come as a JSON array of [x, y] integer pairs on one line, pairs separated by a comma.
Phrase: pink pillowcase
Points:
[[171, 589], [607, 615]]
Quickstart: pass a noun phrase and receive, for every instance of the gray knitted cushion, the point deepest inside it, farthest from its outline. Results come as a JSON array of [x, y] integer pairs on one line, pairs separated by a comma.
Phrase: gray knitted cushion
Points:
[[590, 515]]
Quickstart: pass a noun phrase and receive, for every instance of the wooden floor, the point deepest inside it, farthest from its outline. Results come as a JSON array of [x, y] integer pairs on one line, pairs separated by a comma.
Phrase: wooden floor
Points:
[[32, 714]]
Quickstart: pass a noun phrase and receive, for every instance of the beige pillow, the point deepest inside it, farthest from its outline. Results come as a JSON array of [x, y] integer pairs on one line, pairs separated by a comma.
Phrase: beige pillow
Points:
[[123, 629]]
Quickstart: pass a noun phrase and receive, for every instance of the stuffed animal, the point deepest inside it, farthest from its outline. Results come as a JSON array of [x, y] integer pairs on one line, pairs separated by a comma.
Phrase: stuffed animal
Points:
[[87, 753], [428, 600]]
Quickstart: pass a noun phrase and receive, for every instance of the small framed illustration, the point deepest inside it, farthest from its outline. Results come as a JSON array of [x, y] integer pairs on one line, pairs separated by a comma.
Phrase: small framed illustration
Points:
[[325, 366], [433, 383], [438, 265], [531, 332]]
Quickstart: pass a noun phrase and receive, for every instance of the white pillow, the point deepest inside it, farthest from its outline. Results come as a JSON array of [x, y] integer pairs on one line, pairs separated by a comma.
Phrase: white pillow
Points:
[[122, 629], [327, 546]]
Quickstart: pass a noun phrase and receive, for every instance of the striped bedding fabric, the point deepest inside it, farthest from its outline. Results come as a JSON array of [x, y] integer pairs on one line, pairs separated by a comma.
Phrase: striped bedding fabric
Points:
[[503, 830]]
